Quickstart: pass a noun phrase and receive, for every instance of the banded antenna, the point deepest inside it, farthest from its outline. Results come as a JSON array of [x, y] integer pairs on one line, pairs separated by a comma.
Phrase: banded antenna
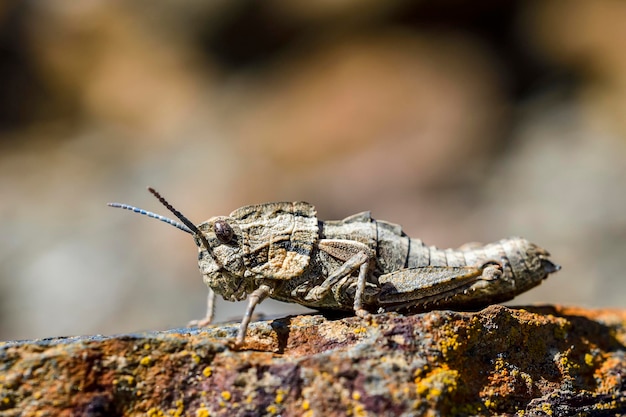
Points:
[[186, 226]]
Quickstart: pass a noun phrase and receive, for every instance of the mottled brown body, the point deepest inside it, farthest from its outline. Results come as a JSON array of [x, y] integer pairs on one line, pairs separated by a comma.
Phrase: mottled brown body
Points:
[[408, 274], [281, 250]]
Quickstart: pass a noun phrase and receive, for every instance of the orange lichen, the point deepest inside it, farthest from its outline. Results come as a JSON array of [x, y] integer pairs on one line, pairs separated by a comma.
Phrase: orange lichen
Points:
[[404, 364]]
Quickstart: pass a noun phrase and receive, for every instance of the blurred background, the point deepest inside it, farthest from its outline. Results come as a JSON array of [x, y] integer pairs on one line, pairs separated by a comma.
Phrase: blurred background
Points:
[[461, 121]]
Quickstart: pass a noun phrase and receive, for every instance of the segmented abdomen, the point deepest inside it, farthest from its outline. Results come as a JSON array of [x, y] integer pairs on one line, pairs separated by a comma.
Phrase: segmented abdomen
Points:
[[522, 262], [421, 255]]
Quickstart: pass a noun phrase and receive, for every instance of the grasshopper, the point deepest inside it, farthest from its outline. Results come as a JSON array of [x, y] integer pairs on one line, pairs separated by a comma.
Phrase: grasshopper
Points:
[[359, 264]]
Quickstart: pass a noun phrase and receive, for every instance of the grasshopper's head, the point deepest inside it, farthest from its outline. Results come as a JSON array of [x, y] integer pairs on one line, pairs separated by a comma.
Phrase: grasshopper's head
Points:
[[221, 258], [271, 241], [219, 243], [264, 242]]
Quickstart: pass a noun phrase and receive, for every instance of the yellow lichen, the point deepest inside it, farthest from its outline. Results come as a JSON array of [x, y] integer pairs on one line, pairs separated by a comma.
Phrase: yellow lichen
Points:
[[528, 380], [490, 404], [145, 361], [271, 409], [155, 412], [589, 359], [547, 408], [195, 357], [356, 396], [202, 412], [440, 381], [180, 409], [146, 346], [226, 395], [306, 405], [449, 343], [567, 366], [130, 380], [500, 364], [207, 371], [280, 396], [359, 410]]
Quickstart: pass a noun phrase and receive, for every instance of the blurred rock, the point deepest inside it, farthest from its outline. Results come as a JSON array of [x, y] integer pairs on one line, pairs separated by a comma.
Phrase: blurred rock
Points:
[[366, 109], [587, 39]]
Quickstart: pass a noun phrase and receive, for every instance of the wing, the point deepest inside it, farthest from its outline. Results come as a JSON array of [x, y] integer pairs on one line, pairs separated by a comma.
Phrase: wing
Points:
[[414, 286]]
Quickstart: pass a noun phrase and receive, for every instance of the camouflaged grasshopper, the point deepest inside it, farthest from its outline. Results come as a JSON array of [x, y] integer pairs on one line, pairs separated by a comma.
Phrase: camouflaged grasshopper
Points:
[[281, 250]]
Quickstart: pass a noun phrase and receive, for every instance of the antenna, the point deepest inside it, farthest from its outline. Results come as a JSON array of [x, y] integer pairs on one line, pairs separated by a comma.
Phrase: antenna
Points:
[[187, 226], [151, 214], [176, 213]]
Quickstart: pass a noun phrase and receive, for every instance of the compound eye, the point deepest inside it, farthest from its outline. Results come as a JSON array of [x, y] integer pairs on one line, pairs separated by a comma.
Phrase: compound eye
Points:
[[223, 231]]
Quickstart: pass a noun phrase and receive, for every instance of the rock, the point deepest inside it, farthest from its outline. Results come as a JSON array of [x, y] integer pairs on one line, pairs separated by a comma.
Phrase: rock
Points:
[[531, 360]]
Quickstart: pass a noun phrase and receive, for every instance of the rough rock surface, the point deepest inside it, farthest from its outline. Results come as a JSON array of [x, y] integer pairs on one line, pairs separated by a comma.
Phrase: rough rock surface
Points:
[[525, 361]]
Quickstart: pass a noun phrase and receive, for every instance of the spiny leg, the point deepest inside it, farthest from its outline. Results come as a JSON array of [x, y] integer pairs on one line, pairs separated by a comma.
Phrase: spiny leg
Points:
[[357, 261], [254, 298], [360, 289], [210, 311], [420, 285], [493, 271]]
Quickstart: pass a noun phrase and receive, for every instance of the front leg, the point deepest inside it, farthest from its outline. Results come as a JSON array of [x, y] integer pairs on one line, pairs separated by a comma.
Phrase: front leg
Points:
[[355, 255], [210, 310], [254, 298]]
